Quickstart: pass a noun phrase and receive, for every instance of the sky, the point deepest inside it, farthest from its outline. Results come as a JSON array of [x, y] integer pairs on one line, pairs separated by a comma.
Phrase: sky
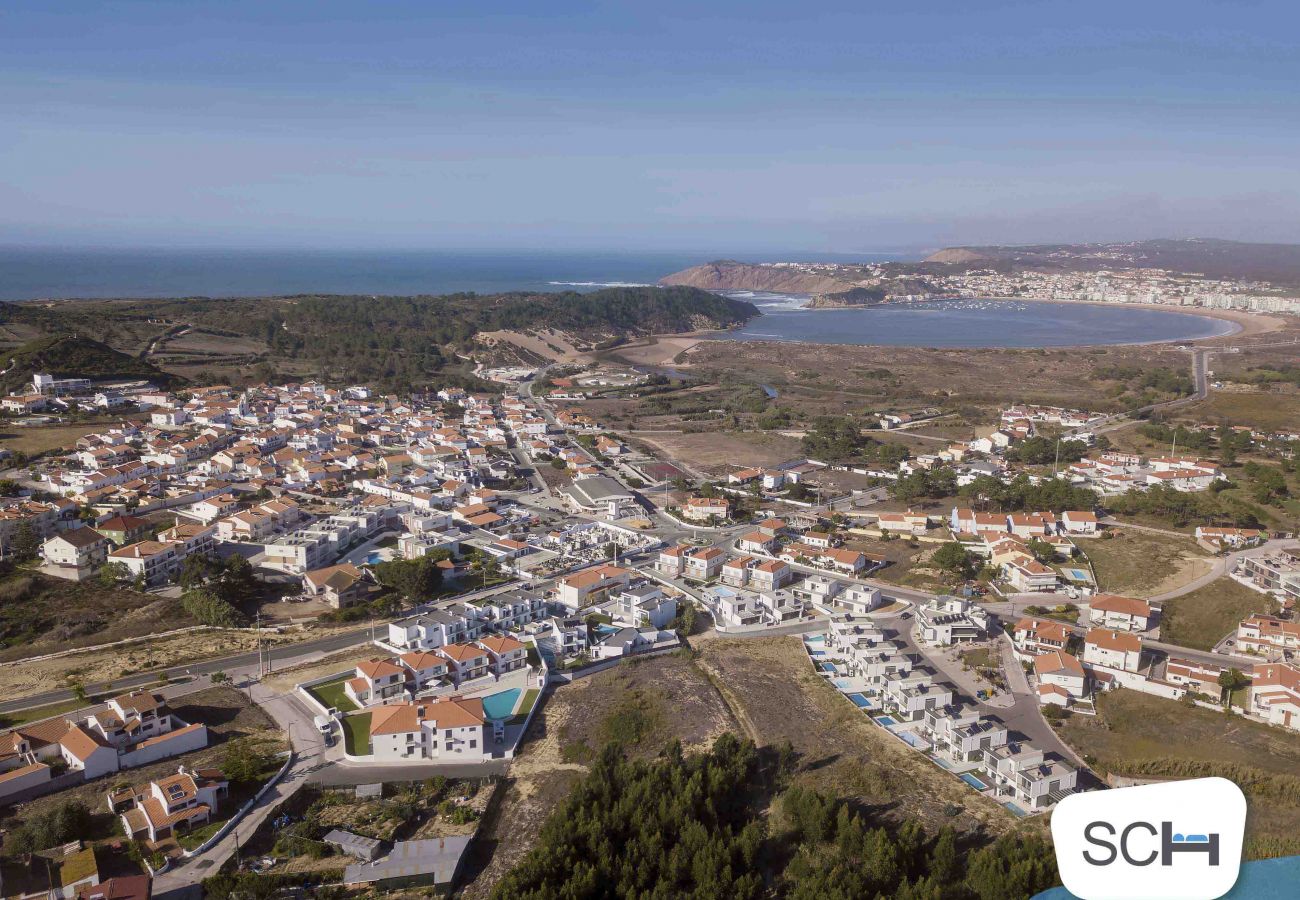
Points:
[[767, 127]]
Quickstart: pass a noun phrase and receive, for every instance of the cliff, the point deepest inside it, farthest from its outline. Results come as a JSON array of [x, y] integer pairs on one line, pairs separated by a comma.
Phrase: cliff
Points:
[[858, 296], [729, 275]]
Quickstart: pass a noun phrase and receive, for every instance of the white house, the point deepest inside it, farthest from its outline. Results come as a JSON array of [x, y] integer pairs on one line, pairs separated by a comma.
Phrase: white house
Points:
[[1113, 649], [1119, 613], [451, 729]]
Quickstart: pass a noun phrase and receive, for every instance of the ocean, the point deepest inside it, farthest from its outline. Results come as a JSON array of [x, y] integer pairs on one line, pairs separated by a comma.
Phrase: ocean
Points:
[[65, 273]]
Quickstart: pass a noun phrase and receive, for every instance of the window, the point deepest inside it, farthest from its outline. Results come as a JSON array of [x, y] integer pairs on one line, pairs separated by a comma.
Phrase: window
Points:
[[473, 744]]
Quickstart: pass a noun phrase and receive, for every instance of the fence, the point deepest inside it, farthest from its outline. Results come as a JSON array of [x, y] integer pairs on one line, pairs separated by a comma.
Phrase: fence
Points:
[[244, 810]]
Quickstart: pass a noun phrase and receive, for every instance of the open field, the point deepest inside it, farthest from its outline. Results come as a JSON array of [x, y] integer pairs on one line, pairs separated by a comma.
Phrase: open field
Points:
[[1272, 410], [43, 438], [908, 565], [644, 704], [1203, 617], [848, 378], [770, 685], [1137, 734], [1139, 564], [40, 614], [19, 679], [717, 452]]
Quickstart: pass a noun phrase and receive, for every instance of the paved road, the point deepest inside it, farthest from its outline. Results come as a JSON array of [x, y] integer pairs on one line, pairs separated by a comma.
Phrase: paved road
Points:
[[1221, 566], [1010, 611]]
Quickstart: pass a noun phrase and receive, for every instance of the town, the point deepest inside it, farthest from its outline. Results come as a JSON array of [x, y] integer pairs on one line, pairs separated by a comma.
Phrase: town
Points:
[[498, 547]]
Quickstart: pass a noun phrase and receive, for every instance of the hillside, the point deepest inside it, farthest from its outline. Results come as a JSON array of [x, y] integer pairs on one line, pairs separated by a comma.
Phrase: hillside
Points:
[[71, 355], [729, 275], [1278, 263], [394, 342]]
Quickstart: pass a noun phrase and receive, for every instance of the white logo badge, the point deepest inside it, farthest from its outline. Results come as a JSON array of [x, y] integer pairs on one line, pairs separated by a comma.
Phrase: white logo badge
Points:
[[1176, 841]]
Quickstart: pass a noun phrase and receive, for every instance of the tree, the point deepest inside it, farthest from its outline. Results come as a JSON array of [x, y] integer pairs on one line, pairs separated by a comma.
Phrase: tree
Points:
[[237, 584], [1041, 550], [1231, 680], [112, 574], [415, 579], [207, 608], [9, 487], [27, 543], [953, 557], [245, 762], [197, 569]]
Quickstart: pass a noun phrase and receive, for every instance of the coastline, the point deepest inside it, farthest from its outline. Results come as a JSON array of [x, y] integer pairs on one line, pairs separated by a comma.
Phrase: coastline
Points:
[[669, 349]]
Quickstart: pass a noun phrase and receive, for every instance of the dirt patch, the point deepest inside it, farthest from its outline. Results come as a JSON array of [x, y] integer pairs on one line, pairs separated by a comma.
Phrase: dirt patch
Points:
[[717, 452], [1141, 564], [841, 753], [685, 707], [335, 663]]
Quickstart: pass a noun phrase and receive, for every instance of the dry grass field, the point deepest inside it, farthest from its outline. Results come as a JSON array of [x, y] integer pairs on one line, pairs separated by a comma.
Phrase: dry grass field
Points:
[[1140, 564], [1203, 617], [1137, 734]]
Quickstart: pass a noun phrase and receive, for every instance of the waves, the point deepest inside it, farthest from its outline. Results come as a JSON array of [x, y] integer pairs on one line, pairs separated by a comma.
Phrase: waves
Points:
[[600, 284]]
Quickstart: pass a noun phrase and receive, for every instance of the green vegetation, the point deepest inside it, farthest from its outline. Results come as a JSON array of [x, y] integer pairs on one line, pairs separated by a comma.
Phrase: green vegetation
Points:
[[1141, 735], [1041, 450], [840, 438], [989, 493], [953, 558], [695, 826], [1133, 387], [1203, 617], [1180, 508], [66, 822], [395, 342], [208, 609], [416, 580], [71, 355], [356, 734], [331, 696]]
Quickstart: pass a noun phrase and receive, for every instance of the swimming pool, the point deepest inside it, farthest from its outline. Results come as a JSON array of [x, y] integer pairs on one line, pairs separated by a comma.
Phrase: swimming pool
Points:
[[374, 557], [912, 740], [1016, 810], [884, 720], [827, 667], [843, 682], [974, 782], [815, 639], [861, 701], [501, 704]]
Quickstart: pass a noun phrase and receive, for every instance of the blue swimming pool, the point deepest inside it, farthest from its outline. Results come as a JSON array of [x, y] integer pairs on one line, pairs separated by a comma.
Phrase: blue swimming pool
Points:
[[501, 704], [826, 667], [815, 639], [974, 782], [861, 701], [374, 557], [911, 739], [1016, 810], [884, 720], [843, 682]]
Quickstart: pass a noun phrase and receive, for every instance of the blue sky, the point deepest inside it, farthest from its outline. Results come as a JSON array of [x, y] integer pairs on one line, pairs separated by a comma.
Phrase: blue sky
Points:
[[815, 126]]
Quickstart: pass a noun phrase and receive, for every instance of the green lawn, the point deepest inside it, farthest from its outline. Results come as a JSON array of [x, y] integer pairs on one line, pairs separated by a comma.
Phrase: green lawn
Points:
[[525, 706], [356, 733], [1203, 617], [330, 694]]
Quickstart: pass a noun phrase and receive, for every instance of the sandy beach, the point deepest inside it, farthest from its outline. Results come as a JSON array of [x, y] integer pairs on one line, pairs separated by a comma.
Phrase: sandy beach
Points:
[[1248, 324]]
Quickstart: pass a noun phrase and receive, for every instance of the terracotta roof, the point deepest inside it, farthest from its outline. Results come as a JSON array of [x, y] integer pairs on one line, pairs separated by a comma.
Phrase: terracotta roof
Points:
[[1114, 640], [1057, 662], [378, 668], [501, 644], [80, 743], [1125, 605], [403, 718]]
